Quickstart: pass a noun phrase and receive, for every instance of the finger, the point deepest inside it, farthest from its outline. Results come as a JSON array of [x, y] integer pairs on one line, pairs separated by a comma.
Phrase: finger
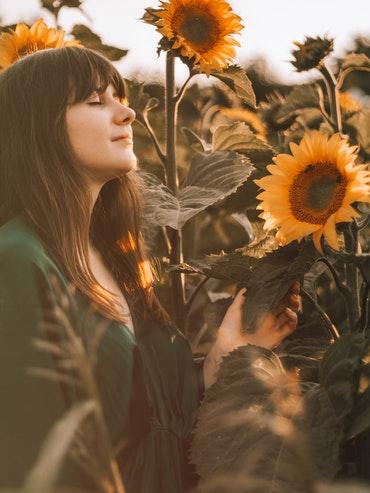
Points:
[[287, 317], [239, 297], [294, 302], [295, 288]]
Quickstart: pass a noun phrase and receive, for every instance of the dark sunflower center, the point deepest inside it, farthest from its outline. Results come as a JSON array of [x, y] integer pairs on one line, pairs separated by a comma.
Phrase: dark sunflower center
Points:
[[198, 28], [317, 192]]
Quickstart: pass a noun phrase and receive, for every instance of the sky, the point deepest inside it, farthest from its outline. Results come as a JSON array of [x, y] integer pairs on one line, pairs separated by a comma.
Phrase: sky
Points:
[[271, 26]]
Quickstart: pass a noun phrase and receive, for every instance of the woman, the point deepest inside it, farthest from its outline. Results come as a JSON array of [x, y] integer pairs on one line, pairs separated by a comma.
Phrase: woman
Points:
[[70, 208]]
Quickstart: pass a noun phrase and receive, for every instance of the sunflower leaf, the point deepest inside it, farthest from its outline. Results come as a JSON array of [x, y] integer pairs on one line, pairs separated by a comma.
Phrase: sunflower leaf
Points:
[[304, 96], [240, 138], [91, 40], [343, 359], [272, 277], [210, 178], [236, 79], [151, 16]]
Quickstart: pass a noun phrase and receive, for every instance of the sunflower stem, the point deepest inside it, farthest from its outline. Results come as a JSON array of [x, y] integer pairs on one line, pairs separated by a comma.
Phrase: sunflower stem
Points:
[[146, 124], [333, 93], [174, 235], [190, 301], [181, 92], [332, 330], [351, 272], [342, 288]]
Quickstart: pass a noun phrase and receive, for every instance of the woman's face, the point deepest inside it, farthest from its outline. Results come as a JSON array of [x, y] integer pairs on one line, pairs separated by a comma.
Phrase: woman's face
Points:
[[100, 132]]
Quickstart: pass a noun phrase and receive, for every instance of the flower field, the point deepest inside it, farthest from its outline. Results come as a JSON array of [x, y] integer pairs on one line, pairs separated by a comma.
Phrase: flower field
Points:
[[247, 182]]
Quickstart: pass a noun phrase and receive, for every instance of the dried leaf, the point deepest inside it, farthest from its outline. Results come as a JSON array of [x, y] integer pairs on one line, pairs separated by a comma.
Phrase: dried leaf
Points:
[[240, 138], [236, 79]]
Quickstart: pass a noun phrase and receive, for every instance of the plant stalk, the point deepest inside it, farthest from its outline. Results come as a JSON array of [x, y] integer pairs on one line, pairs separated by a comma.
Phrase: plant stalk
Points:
[[351, 271], [175, 236], [333, 93]]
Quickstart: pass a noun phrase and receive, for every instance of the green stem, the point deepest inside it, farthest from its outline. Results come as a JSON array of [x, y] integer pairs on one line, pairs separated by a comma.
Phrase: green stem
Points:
[[351, 272], [332, 330], [175, 236], [343, 289], [333, 93]]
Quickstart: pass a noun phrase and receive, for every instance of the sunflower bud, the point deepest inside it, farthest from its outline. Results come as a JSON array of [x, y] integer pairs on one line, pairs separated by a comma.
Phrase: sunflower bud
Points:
[[311, 52]]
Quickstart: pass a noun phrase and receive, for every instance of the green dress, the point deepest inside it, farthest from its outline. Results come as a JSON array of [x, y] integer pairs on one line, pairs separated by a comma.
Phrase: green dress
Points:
[[147, 381]]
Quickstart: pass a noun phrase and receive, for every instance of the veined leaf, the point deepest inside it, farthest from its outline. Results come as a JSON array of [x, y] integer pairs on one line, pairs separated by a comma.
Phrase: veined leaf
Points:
[[237, 80], [338, 370], [272, 277], [211, 177], [240, 138]]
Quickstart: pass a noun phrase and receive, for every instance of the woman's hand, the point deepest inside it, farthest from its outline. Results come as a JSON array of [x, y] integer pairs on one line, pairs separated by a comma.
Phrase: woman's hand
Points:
[[271, 329]]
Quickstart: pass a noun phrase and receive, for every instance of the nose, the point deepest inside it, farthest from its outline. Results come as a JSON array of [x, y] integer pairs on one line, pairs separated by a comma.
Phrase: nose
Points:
[[125, 115]]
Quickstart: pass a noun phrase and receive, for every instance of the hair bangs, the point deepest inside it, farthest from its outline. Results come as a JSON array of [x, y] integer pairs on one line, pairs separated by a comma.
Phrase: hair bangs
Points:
[[90, 72]]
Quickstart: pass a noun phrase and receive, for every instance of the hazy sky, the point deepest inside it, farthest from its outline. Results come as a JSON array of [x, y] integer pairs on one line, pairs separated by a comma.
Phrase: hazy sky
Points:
[[270, 28]]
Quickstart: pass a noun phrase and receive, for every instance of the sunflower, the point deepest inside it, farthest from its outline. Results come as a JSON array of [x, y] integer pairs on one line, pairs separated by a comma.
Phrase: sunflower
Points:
[[313, 189], [311, 52], [201, 30], [25, 40]]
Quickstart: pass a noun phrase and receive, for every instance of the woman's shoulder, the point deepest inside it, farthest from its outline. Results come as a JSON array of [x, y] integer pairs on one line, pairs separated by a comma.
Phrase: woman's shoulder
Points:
[[20, 246]]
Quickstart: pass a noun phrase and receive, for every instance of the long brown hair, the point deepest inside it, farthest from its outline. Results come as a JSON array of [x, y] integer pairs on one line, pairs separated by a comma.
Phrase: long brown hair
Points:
[[39, 179]]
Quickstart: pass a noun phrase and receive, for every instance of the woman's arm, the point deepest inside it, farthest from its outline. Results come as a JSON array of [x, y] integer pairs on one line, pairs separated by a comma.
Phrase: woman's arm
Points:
[[30, 404]]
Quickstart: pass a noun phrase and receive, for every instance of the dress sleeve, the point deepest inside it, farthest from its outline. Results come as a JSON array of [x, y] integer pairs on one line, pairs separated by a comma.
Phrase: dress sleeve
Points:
[[30, 404]]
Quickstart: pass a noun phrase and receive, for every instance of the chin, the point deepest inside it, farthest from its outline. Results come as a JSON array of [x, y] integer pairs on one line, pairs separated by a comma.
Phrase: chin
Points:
[[127, 165]]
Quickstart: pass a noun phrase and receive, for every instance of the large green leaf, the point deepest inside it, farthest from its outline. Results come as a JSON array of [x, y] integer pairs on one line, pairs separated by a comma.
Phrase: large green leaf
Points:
[[245, 428], [273, 275], [236, 79], [240, 138], [210, 178], [343, 359], [91, 40], [257, 426]]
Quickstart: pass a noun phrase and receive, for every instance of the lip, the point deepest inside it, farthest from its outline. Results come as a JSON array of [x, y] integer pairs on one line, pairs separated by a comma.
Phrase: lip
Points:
[[127, 138]]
